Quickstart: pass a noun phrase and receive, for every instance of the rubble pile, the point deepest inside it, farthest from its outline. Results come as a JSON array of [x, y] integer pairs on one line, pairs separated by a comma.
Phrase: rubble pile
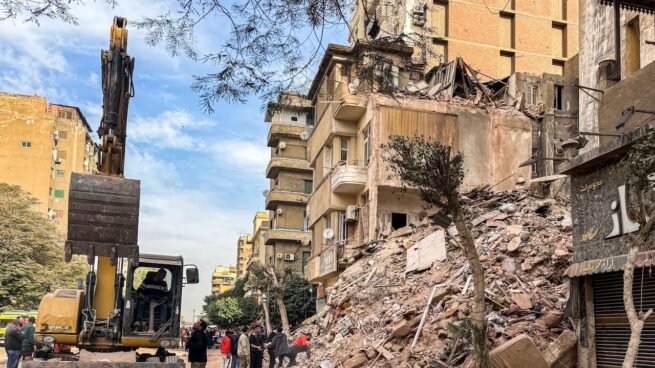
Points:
[[375, 308]]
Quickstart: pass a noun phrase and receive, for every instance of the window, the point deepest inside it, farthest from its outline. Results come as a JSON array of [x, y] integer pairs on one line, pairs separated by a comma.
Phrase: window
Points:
[[26, 144], [59, 193], [398, 220], [506, 31], [633, 52], [294, 118], [559, 40], [61, 154], [59, 173], [531, 94], [309, 186], [305, 259], [343, 228], [557, 97], [506, 63], [367, 148], [344, 149], [63, 134], [142, 273], [64, 114]]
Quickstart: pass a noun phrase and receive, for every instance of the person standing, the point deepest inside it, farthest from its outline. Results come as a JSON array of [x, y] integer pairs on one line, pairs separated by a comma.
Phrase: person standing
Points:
[[28, 338], [185, 333], [13, 343], [270, 347], [197, 345], [234, 345], [225, 351], [256, 348], [243, 349]]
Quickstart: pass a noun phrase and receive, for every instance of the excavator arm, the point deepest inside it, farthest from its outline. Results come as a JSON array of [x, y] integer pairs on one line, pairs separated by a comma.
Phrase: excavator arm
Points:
[[117, 88]]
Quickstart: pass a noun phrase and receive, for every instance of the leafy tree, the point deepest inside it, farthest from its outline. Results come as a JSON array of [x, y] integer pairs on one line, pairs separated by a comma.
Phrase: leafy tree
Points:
[[232, 308], [31, 252], [298, 300], [437, 173]]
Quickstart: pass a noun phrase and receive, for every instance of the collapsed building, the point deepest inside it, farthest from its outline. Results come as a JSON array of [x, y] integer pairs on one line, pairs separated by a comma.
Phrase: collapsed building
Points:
[[354, 200]]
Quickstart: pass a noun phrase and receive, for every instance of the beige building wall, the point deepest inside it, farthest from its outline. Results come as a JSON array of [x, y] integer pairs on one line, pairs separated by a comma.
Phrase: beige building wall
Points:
[[223, 278], [244, 251], [497, 37], [41, 144]]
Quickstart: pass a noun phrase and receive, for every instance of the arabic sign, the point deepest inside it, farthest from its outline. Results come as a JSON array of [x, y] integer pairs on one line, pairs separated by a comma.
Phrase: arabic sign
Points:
[[611, 264], [328, 261]]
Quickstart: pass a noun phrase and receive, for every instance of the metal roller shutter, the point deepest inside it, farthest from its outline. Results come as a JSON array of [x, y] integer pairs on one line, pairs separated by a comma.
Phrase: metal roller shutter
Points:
[[612, 328]]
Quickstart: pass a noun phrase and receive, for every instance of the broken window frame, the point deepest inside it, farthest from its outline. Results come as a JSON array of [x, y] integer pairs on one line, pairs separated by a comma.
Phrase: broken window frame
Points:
[[342, 228], [531, 94]]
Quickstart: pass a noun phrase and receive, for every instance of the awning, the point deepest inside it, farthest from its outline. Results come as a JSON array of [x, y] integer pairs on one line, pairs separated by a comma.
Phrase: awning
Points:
[[610, 264], [642, 6]]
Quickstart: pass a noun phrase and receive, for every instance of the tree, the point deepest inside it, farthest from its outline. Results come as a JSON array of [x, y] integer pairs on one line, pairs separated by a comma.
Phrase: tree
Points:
[[31, 252], [232, 308], [298, 299], [437, 173], [268, 46], [258, 281], [640, 162]]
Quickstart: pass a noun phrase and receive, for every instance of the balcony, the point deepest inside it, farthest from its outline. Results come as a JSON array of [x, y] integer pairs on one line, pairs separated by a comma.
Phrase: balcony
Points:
[[351, 107], [299, 236], [326, 128], [275, 197], [279, 131], [282, 163], [322, 266], [348, 177]]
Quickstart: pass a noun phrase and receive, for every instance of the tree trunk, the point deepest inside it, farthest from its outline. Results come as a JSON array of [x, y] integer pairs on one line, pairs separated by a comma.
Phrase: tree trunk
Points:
[[267, 314], [635, 319], [279, 300], [479, 311]]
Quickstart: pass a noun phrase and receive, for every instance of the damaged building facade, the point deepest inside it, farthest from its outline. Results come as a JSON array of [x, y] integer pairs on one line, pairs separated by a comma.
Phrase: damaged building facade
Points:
[[617, 108], [355, 200], [499, 37]]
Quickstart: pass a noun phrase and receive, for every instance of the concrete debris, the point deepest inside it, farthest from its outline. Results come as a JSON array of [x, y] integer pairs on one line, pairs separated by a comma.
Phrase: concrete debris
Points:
[[562, 353], [519, 352], [376, 303], [426, 251]]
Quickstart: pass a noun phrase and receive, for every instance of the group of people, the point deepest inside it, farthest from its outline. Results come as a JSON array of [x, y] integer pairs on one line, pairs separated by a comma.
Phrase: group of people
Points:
[[214, 336], [245, 348], [19, 340]]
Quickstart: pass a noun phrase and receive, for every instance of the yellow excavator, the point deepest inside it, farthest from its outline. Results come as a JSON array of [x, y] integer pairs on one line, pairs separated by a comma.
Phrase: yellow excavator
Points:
[[130, 300]]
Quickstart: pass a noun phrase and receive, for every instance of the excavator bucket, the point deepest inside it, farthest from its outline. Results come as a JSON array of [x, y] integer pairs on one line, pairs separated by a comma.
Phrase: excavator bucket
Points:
[[103, 217]]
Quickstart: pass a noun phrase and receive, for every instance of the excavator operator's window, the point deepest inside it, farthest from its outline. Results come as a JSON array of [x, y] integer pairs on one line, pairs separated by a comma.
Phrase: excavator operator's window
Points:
[[141, 273]]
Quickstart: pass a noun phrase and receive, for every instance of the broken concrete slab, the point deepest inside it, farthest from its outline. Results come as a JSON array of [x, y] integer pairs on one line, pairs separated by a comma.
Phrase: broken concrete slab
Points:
[[356, 361], [426, 251], [519, 352], [514, 244], [551, 319], [404, 327], [523, 300], [562, 353], [403, 231], [489, 215]]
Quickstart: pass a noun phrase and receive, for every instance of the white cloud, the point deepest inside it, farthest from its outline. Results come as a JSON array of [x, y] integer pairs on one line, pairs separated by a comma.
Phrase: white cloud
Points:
[[193, 223], [169, 129], [248, 156]]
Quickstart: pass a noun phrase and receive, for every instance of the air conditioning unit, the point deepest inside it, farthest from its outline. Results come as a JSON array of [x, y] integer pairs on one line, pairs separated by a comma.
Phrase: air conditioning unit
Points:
[[282, 145], [351, 213], [280, 256], [289, 257]]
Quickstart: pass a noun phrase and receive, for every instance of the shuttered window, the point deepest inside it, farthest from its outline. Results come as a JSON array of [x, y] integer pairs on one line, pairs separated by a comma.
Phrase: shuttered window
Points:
[[612, 327]]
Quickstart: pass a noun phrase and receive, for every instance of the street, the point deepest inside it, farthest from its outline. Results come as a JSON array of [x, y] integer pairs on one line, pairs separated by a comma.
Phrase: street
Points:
[[214, 358]]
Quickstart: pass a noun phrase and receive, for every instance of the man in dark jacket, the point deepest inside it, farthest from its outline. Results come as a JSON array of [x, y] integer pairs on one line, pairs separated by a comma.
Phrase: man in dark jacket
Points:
[[13, 343], [257, 340], [271, 348], [197, 345], [28, 339], [280, 346], [234, 345]]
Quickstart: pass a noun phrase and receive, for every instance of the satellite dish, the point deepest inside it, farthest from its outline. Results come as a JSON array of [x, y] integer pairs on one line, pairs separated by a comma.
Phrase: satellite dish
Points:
[[282, 145], [304, 135], [305, 241], [265, 193], [328, 233]]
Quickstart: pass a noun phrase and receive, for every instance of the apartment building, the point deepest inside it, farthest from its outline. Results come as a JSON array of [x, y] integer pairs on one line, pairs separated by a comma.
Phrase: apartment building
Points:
[[617, 75], [223, 278], [354, 199], [246, 243], [609, 64], [287, 241], [41, 144], [498, 37]]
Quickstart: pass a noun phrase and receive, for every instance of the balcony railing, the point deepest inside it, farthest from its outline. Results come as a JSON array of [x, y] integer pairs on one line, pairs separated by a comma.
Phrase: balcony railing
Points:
[[348, 177]]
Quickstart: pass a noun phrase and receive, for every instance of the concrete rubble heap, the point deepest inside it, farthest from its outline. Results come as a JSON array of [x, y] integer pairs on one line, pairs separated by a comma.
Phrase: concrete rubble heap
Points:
[[375, 308]]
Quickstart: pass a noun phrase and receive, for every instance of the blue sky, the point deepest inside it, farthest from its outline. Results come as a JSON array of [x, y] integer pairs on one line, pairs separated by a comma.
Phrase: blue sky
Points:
[[202, 175]]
